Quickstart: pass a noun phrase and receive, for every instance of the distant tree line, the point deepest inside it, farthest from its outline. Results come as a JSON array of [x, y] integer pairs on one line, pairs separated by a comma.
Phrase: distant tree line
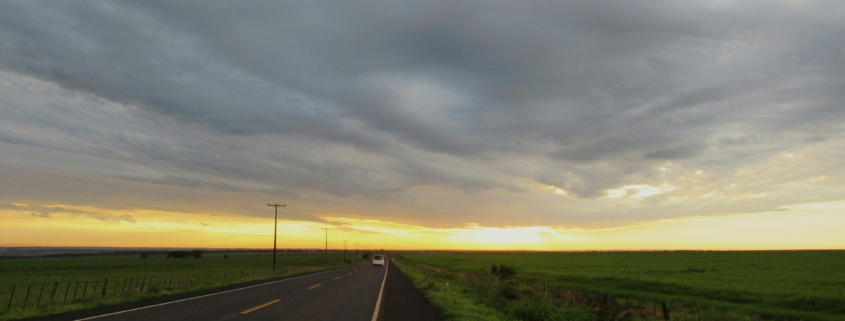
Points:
[[184, 254]]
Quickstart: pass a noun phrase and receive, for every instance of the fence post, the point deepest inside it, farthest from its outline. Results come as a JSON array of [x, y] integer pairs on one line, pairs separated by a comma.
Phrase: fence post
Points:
[[26, 299], [67, 290], [40, 292], [12, 296], [144, 282], [544, 287], [665, 311], [53, 295], [85, 290], [94, 290], [105, 286]]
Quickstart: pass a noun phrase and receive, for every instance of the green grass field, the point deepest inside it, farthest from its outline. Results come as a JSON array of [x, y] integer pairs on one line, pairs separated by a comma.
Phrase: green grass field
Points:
[[132, 278], [789, 285]]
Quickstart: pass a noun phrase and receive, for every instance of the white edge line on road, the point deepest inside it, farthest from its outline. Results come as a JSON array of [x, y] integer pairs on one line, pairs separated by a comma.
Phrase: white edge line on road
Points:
[[207, 295], [378, 302]]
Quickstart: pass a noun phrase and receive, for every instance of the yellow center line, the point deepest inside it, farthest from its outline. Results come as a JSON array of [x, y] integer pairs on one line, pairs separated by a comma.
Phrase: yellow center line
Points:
[[350, 273], [259, 307], [336, 278], [315, 286]]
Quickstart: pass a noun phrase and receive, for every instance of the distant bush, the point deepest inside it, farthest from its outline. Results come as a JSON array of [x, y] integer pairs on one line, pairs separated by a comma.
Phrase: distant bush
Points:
[[144, 255], [366, 256], [184, 254], [226, 256], [503, 271]]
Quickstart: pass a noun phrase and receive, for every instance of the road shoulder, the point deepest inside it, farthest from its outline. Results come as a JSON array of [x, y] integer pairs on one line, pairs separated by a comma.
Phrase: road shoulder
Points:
[[403, 301]]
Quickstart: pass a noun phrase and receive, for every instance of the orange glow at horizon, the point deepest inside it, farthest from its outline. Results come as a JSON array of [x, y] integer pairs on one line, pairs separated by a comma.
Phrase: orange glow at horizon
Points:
[[807, 226]]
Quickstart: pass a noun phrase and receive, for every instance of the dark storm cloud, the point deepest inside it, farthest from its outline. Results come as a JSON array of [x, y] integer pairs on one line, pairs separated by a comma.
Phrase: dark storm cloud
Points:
[[375, 98]]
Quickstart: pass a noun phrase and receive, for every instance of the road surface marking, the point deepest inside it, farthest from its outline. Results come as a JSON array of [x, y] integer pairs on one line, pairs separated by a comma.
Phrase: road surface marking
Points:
[[315, 286], [260, 306], [336, 278], [378, 302], [350, 273], [201, 296]]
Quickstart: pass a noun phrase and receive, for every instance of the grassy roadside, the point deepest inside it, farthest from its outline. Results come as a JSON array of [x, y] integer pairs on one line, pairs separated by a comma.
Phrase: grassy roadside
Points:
[[482, 296], [56, 285], [463, 296], [786, 285]]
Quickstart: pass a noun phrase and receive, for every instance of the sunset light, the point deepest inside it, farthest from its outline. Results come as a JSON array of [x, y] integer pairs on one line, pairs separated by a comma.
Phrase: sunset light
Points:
[[483, 141]]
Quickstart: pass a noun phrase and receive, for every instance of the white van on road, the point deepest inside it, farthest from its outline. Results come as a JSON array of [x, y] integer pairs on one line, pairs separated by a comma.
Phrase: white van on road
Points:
[[378, 259]]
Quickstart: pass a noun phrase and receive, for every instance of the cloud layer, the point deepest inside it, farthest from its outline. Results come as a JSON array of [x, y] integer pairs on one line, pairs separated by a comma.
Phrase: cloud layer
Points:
[[439, 111]]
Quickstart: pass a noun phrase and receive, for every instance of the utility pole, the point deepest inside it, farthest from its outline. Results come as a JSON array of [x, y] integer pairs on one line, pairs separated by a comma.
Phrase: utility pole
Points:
[[327, 244], [275, 227], [356, 249], [344, 251]]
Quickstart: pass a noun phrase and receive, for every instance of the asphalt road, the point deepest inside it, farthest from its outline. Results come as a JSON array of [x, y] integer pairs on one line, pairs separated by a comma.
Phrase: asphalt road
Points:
[[349, 293]]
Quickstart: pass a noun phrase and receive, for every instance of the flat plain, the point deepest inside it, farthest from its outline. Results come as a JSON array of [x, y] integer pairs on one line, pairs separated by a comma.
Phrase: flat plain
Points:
[[775, 284]]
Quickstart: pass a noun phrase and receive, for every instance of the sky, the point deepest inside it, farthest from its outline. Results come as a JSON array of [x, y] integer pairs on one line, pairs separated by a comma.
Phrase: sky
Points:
[[494, 125]]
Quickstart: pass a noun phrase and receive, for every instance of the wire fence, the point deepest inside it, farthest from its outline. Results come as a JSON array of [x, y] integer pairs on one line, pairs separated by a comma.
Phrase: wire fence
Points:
[[52, 296]]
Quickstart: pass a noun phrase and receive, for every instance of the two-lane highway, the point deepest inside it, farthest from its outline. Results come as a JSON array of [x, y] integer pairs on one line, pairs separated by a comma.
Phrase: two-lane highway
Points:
[[349, 293]]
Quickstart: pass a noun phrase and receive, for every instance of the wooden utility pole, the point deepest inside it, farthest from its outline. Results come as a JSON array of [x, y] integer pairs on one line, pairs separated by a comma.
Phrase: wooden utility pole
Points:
[[344, 251], [327, 244], [275, 227]]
